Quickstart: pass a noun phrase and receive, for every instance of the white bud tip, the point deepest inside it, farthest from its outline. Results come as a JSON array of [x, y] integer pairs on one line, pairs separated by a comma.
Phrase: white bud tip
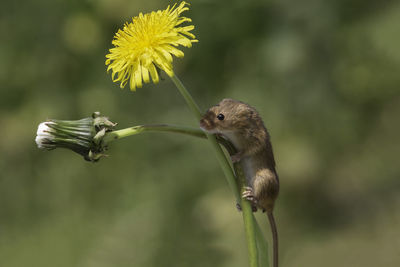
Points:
[[43, 133]]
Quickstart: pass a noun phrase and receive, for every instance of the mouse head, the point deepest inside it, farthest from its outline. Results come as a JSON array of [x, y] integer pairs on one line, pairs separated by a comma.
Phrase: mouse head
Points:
[[228, 116]]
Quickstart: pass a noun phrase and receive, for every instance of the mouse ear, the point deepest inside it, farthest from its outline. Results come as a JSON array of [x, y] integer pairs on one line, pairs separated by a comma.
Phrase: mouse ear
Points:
[[250, 115]]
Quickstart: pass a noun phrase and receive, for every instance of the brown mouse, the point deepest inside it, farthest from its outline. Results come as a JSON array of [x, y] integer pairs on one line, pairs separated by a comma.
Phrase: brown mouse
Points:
[[242, 125]]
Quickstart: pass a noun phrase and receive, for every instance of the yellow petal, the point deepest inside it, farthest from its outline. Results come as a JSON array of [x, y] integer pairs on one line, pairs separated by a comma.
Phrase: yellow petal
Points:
[[148, 42], [153, 73], [137, 70], [145, 74]]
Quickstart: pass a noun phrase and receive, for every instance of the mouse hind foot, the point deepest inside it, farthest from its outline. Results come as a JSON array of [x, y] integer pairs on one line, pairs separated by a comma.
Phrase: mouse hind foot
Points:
[[249, 196]]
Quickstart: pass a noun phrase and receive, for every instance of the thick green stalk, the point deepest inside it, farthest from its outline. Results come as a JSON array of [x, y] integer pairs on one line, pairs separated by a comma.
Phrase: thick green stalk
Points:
[[262, 246], [250, 223], [255, 239], [248, 218]]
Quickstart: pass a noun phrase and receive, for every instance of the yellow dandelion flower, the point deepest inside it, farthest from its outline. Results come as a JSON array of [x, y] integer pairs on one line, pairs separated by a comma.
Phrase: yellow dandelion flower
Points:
[[148, 43]]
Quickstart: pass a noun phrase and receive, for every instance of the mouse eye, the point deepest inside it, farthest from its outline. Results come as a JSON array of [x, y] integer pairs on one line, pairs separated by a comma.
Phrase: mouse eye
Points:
[[220, 116]]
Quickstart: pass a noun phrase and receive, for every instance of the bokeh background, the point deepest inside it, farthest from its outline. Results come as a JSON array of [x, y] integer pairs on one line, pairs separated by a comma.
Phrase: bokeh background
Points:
[[324, 75]]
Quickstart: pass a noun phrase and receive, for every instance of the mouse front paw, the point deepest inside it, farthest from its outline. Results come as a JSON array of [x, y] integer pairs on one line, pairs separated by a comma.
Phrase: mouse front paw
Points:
[[235, 158]]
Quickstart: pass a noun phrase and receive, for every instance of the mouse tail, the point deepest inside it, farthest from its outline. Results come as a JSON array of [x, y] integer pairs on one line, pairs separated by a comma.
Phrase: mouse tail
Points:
[[274, 238]]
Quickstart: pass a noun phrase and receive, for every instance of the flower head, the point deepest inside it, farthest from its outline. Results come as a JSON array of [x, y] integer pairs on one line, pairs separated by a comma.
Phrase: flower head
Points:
[[84, 136], [148, 43]]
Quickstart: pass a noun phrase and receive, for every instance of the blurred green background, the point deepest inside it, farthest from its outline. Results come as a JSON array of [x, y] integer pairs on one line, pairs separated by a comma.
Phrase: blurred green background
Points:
[[324, 75]]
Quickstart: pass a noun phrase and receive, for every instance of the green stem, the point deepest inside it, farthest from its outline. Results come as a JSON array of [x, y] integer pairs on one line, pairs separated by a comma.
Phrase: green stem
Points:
[[114, 135], [251, 226], [223, 161], [254, 236], [248, 218], [188, 98], [262, 246]]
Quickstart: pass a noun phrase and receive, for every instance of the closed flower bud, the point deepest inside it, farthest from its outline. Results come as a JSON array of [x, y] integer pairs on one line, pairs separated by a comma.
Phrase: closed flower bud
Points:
[[84, 136]]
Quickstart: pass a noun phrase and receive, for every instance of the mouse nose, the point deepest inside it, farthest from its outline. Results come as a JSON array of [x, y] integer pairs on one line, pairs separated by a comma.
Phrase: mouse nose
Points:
[[205, 124], [202, 122]]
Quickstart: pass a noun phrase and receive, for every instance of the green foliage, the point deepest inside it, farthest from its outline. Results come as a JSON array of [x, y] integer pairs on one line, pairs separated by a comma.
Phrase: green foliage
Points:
[[324, 76]]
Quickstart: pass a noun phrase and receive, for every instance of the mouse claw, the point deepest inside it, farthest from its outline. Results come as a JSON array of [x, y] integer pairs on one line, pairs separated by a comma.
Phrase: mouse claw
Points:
[[236, 157], [249, 195], [239, 208], [247, 192]]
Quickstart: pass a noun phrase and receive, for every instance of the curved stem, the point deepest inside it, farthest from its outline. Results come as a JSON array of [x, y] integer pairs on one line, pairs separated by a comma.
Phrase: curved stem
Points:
[[248, 219], [262, 246], [188, 98], [254, 236], [118, 134], [252, 228], [223, 161], [247, 213]]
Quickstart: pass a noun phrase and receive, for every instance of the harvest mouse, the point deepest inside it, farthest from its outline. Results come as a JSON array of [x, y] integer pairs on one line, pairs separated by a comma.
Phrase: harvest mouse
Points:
[[242, 125]]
